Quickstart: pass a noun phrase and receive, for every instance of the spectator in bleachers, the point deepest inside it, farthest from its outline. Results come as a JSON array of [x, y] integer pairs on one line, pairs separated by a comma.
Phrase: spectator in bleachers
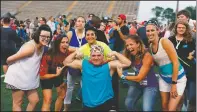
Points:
[[120, 31], [51, 23], [112, 24], [31, 29], [42, 21], [8, 42], [95, 23], [132, 30], [21, 32], [64, 19], [169, 30], [36, 22], [141, 32]]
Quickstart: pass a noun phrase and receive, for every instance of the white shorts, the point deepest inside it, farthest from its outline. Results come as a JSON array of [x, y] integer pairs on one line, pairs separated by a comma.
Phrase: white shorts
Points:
[[166, 87]]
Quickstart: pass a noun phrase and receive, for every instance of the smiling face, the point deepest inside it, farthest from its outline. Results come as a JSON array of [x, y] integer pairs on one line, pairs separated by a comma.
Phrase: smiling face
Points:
[[97, 58], [80, 23], [90, 37], [151, 32], [64, 45], [180, 29], [44, 37], [132, 46]]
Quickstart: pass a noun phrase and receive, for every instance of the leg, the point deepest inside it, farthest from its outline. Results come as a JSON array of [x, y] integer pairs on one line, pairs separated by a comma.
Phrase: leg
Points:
[[70, 88], [115, 86], [181, 83], [33, 98], [47, 98], [164, 100], [61, 92], [149, 97], [17, 96], [180, 104], [133, 95], [173, 103], [192, 96]]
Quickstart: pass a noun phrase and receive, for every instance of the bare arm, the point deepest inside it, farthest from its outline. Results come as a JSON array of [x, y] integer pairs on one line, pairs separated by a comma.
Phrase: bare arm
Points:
[[125, 62], [72, 62], [169, 48], [147, 64], [49, 76], [26, 51]]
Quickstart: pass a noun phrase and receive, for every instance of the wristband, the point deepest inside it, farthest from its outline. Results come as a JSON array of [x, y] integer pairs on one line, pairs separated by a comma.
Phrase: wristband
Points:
[[174, 82], [123, 77]]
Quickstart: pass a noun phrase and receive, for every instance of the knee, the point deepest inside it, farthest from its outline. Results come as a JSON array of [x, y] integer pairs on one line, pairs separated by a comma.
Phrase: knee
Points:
[[61, 95], [34, 100], [129, 103], [47, 100]]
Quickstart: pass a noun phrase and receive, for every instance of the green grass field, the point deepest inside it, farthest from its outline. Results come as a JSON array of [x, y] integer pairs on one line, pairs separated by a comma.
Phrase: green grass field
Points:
[[6, 99]]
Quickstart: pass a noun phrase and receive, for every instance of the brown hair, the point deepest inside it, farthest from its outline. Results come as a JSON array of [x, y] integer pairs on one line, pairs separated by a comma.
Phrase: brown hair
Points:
[[187, 36], [141, 48]]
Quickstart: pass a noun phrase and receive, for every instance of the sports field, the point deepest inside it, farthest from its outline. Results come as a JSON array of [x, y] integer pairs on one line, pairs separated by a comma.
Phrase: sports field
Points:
[[6, 99]]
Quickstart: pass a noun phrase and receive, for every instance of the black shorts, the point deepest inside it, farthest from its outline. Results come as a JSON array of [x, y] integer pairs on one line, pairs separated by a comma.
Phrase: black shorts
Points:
[[49, 83]]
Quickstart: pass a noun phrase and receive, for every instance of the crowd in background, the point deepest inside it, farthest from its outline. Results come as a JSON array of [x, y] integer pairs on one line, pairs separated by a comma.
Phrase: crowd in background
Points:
[[146, 44]]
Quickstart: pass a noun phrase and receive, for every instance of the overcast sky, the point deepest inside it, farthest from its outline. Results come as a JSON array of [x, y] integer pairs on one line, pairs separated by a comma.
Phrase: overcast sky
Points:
[[146, 6]]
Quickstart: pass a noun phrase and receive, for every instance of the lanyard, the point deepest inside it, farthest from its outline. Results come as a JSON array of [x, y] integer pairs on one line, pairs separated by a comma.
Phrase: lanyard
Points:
[[78, 39], [178, 43]]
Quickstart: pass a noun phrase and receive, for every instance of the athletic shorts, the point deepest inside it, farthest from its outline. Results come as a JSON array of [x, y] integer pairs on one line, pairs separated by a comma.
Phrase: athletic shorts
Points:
[[49, 83], [166, 87]]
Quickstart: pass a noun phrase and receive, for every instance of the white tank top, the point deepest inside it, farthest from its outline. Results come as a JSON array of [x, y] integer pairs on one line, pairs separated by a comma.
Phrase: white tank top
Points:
[[24, 73]]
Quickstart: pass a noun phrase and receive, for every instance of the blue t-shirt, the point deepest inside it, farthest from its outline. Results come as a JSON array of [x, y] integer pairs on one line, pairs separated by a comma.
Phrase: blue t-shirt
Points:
[[97, 84]]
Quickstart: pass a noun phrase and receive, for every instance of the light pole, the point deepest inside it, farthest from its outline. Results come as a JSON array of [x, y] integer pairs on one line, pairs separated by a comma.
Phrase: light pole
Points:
[[177, 9]]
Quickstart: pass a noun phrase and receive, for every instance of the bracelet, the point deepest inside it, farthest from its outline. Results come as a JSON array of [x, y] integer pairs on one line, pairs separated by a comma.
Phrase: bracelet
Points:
[[118, 29], [123, 77]]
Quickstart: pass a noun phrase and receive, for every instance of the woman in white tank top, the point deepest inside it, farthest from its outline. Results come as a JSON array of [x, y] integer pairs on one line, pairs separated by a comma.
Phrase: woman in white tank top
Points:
[[172, 80], [22, 76]]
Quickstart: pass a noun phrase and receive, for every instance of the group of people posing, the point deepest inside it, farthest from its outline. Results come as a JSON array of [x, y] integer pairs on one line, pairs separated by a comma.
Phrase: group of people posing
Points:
[[83, 52]]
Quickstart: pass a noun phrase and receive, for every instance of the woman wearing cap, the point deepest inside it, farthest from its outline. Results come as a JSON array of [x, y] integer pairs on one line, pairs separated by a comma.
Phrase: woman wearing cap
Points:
[[77, 39], [186, 47], [51, 73], [172, 79], [144, 82]]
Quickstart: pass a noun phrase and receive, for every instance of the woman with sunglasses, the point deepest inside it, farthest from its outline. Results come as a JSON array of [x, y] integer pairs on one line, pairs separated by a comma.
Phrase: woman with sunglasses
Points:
[[51, 73], [172, 79], [186, 47], [22, 76]]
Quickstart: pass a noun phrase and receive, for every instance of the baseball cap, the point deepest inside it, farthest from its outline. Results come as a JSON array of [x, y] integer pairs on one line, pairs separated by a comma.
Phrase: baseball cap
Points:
[[122, 16]]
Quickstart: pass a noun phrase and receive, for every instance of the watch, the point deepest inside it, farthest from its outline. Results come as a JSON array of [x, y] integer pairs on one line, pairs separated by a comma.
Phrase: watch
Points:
[[174, 82], [123, 77]]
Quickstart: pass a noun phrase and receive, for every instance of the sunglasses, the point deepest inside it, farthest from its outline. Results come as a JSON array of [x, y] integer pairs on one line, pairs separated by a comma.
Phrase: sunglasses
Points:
[[152, 22]]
